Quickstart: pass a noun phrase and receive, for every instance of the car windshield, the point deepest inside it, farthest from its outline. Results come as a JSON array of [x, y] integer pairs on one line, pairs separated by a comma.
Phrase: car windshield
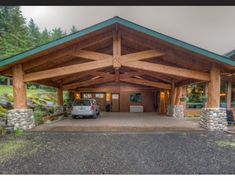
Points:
[[82, 103]]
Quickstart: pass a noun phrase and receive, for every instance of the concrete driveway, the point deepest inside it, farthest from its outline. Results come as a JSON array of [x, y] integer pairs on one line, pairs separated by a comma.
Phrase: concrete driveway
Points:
[[110, 121]]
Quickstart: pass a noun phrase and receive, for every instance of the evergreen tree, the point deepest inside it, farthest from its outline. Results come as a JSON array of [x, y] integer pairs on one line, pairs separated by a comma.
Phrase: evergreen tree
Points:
[[34, 32], [45, 37], [57, 33], [14, 35], [73, 29]]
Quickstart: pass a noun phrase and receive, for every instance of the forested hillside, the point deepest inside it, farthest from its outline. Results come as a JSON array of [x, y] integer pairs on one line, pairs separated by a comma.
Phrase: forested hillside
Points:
[[16, 35]]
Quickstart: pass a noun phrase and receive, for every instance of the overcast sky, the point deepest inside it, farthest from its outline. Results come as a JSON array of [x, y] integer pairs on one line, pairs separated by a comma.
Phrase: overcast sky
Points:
[[212, 28]]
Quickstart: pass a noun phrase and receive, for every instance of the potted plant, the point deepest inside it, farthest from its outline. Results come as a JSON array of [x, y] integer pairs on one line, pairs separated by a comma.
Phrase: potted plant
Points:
[[183, 99]]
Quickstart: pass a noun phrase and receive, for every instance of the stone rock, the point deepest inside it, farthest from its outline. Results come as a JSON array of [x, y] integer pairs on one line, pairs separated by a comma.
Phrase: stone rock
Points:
[[213, 119], [9, 129], [3, 121], [21, 118], [176, 111]]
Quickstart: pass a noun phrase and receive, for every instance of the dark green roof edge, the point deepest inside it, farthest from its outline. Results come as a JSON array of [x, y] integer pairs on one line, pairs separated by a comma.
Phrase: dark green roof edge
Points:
[[220, 58], [230, 53]]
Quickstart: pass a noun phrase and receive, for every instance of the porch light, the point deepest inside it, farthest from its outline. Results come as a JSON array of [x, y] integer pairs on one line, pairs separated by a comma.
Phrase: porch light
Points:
[[162, 95], [77, 95], [108, 97], [222, 94]]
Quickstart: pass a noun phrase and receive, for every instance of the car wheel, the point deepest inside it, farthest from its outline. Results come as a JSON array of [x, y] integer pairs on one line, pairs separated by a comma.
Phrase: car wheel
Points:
[[74, 117]]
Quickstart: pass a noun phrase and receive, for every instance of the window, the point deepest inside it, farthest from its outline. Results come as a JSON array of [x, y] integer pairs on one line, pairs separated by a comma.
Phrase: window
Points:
[[99, 95], [86, 95], [196, 95], [135, 97], [81, 103]]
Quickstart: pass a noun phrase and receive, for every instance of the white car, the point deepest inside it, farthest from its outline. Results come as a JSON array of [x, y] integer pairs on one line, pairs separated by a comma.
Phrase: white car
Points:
[[85, 108]]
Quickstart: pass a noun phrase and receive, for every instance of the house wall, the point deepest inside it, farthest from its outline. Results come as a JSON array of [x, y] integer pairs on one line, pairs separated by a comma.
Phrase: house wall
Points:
[[147, 101], [149, 95]]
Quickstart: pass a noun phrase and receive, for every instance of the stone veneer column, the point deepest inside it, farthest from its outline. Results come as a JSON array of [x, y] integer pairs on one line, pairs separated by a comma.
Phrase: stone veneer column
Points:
[[214, 119], [20, 116], [176, 111]]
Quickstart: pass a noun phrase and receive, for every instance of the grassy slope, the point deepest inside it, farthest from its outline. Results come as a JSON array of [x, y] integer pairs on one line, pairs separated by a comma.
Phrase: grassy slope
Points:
[[8, 89]]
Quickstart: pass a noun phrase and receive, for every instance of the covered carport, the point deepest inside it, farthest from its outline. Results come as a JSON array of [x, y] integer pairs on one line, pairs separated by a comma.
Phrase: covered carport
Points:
[[117, 54]]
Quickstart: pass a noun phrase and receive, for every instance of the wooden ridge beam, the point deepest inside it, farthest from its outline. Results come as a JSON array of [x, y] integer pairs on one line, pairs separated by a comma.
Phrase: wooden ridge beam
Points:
[[169, 70], [144, 82], [116, 48], [67, 70]]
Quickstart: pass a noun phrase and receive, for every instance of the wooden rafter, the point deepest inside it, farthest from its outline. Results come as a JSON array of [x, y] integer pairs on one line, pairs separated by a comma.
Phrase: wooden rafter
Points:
[[140, 56], [169, 70], [125, 78], [88, 83], [171, 55], [67, 70], [90, 55], [66, 51]]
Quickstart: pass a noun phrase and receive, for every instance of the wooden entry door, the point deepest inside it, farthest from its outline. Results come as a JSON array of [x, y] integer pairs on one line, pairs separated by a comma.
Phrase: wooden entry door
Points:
[[115, 102]]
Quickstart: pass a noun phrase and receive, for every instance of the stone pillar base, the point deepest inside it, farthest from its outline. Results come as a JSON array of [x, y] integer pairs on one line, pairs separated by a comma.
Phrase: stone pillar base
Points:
[[214, 119], [21, 118], [176, 111]]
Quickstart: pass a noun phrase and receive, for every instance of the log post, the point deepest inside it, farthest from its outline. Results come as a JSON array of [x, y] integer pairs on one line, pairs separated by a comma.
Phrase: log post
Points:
[[172, 93], [229, 94], [20, 116], [19, 91], [175, 109], [214, 87], [213, 117], [60, 96], [178, 95], [206, 94]]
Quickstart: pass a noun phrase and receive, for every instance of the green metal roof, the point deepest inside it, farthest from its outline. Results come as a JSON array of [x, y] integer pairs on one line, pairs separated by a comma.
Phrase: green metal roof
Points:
[[217, 57], [230, 54]]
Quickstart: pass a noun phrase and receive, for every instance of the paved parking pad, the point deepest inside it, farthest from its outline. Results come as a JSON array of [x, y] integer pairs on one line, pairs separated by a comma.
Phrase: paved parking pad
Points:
[[123, 122]]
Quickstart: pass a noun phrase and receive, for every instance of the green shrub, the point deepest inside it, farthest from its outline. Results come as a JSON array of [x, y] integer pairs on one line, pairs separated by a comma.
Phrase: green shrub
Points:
[[184, 98], [18, 131], [203, 98], [9, 97], [3, 112], [68, 98], [3, 131], [38, 114]]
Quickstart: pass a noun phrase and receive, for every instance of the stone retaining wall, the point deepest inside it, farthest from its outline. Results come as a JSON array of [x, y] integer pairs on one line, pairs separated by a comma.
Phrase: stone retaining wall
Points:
[[21, 118], [214, 119]]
